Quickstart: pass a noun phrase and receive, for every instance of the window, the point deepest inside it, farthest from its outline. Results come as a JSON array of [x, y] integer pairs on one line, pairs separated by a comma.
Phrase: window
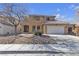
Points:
[[33, 28], [52, 19], [37, 18], [38, 28], [48, 18]]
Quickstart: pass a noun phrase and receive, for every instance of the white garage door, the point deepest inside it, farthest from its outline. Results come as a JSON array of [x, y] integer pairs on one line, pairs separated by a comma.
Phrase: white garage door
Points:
[[55, 29]]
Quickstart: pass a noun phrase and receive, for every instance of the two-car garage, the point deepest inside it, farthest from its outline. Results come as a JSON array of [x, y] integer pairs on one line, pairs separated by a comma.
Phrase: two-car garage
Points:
[[55, 29]]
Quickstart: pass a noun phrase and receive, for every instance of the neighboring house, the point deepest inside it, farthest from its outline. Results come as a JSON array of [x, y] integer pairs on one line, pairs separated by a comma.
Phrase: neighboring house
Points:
[[44, 24], [76, 30], [6, 27]]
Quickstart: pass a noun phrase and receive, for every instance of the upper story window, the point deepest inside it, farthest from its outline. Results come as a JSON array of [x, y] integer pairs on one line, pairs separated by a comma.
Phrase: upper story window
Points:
[[51, 18], [48, 18], [36, 18]]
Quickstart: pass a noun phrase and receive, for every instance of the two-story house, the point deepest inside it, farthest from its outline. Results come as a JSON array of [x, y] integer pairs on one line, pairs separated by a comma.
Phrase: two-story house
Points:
[[44, 24]]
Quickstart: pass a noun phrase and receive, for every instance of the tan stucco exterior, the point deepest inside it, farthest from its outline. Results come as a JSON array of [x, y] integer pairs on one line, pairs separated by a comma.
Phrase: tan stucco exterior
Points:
[[30, 21], [20, 28]]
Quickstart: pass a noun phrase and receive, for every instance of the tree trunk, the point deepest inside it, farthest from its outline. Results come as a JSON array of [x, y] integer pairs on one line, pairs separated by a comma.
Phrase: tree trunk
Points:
[[15, 29]]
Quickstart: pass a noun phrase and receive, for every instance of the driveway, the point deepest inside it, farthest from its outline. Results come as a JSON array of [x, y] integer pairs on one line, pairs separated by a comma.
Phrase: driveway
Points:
[[65, 45]]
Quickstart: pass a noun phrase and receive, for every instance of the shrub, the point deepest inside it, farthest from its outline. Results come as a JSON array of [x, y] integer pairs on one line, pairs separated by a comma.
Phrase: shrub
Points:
[[38, 33]]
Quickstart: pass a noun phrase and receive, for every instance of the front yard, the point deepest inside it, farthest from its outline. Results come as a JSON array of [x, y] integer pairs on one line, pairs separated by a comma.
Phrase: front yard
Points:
[[27, 39], [32, 39], [53, 44]]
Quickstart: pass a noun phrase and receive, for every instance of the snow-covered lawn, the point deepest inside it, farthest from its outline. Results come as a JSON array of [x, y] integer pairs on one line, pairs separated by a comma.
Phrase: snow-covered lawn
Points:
[[65, 45]]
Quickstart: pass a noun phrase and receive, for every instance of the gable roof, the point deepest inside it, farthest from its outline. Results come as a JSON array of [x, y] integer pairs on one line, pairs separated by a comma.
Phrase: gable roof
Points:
[[41, 15]]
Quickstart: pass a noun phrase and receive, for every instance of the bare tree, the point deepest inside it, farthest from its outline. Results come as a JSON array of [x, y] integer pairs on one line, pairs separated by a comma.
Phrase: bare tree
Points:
[[14, 13], [76, 20]]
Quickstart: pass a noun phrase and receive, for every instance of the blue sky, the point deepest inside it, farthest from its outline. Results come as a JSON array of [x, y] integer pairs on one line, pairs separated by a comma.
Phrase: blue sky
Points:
[[65, 11]]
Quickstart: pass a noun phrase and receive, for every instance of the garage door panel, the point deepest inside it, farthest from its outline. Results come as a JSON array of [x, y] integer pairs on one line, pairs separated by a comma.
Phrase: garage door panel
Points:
[[55, 29]]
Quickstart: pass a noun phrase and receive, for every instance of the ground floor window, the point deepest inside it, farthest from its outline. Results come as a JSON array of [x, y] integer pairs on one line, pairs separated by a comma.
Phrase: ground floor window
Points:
[[38, 28], [33, 28]]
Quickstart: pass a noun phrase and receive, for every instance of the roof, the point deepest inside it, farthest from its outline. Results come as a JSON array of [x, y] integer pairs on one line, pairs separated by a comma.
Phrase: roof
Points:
[[56, 22], [6, 23], [4, 20], [42, 15]]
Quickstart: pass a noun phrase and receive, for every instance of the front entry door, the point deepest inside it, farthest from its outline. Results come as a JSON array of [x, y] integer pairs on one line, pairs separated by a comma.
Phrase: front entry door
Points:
[[26, 28], [70, 30]]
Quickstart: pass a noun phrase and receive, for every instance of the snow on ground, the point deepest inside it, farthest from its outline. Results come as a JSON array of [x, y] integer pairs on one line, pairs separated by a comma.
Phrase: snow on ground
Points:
[[66, 45]]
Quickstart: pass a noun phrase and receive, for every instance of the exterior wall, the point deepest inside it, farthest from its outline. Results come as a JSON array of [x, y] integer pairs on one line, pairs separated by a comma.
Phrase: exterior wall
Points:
[[45, 29], [66, 29], [20, 28], [33, 22], [76, 30], [8, 29], [1, 29], [5, 29]]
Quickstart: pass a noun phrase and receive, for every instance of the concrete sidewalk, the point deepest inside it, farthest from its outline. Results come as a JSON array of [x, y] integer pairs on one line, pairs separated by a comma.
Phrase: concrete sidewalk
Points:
[[27, 47], [36, 49]]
